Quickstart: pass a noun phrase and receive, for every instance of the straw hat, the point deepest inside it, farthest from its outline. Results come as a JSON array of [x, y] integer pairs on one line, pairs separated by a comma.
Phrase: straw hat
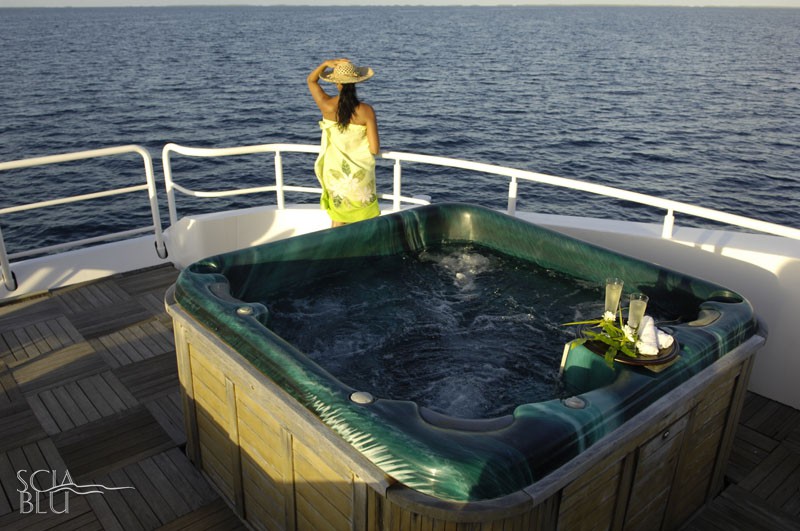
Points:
[[347, 73]]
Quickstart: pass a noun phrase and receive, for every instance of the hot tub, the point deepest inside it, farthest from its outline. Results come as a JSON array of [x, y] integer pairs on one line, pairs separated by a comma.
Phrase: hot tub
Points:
[[292, 445]]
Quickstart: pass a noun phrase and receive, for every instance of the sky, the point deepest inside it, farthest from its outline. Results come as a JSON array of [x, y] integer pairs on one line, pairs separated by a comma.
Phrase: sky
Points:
[[113, 3]]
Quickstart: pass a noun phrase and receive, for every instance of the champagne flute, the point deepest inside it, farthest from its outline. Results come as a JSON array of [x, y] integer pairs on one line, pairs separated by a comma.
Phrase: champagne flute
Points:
[[638, 305], [613, 294]]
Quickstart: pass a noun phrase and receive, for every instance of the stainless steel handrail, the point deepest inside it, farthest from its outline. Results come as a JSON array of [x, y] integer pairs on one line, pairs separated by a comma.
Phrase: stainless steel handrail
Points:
[[149, 186], [514, 175], [669, 205], [279, 187]]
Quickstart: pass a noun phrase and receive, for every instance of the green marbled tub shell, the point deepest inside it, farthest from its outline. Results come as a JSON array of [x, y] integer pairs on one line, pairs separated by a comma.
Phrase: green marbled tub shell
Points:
[[452, 459]]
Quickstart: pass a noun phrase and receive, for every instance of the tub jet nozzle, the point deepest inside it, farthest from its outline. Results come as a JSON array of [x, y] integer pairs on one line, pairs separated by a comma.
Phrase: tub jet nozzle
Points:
[[362, 397]]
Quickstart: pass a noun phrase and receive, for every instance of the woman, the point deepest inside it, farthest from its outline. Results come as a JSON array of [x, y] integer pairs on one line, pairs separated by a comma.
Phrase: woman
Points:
[[346, 163]]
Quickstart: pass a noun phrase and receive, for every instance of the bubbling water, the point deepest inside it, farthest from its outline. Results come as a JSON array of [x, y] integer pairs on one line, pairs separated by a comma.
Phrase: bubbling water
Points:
[[462, 330]]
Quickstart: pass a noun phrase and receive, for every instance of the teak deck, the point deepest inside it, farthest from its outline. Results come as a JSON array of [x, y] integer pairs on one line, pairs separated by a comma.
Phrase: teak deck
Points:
[[89, 385]]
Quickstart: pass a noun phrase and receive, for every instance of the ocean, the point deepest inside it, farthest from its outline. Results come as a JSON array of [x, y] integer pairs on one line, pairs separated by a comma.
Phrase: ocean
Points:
[[695, 104]]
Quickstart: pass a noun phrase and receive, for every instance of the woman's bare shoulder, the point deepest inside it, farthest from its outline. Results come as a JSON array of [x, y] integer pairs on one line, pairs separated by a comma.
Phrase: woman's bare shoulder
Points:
[[364, 113]]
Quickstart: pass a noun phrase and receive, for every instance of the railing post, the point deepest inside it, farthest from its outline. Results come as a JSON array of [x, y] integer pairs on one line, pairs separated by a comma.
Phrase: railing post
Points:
[[8, 278], [165, 161], [512, 196], [396, 189], [669, 223], [161, 248], [279, 179]]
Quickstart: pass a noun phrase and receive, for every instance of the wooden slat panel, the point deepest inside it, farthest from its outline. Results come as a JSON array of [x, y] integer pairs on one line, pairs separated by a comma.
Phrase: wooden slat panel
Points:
[[21, 312], [48, 336], [13, 350], [9, 390], [33, 339], [122, 343], [40, 455], [105, 513], [44, 415], [260, 436], [310, 518], [151, 378], [587, 502], [134, 341], [738, 509], [112, 353], [655, 472], [76, 361], [593, 485], [8, 493], [186, 479], [78, 517], [96, 323], [167, 412], [263, 498], [215, 515], [777, 479], [214, 453], [153, 338], [161, 335], [328, 484], [173, 500], [749, 449], [158, 278], [323, 488], [26, 345], [144, 509], [210, 402], [18, 426], [772, 419], [126, 516], [90, 296], [111, 442], [70, 407], [87, 404]]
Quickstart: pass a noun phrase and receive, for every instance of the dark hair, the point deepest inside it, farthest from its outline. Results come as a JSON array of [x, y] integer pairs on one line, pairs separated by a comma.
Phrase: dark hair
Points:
[[348, 101]]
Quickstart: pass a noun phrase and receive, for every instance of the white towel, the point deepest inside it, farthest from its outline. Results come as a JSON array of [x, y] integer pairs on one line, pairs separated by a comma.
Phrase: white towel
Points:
[[648, 337], [664, 340]]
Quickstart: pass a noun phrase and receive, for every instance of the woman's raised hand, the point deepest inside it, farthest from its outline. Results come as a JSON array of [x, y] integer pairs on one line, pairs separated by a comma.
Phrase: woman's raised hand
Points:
[[333, 62]]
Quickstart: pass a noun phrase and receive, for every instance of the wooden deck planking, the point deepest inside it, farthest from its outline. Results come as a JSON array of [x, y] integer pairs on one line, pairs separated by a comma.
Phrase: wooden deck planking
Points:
[[57, 367], [763, 475], [88, 383], [215, 515], [152, 378]]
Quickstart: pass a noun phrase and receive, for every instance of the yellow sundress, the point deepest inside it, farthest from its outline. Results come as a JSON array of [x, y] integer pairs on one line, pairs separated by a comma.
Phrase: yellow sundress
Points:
[[346, 170]]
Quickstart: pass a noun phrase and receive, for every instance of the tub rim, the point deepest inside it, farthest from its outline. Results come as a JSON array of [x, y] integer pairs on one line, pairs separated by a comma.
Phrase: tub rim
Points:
[[587, 436], [531, 495]]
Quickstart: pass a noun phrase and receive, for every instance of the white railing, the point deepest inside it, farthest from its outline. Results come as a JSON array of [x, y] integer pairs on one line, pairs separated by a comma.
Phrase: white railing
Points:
[[279, 187], [5, 266], [514, 175], [666, 204]]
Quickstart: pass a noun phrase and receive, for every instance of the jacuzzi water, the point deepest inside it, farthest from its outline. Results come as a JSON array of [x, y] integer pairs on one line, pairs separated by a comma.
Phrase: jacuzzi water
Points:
[[462, 330]]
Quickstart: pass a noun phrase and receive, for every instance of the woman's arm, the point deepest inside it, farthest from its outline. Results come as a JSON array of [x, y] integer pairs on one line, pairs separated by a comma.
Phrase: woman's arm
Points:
[[321, 98], [372, 128]]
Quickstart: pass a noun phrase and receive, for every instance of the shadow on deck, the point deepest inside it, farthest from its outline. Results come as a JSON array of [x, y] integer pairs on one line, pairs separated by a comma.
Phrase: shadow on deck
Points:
[[89, 387]]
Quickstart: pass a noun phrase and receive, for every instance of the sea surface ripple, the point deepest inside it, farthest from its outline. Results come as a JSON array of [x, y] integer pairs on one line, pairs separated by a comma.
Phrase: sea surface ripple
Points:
[[695, 104]]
